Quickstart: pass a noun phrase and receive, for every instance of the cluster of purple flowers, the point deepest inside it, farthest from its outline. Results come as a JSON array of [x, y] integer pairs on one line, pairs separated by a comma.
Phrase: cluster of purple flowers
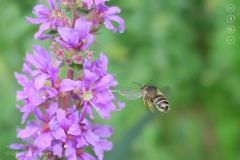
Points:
[[61, 128]]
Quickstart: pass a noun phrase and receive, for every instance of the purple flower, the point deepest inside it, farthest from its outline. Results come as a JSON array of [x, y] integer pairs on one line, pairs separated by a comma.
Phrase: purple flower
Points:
[[45, 132], [48, 18], [99, 66], [31, 151], [50, 129], [31, 96], [94, 89], [43, 62], [78, 38], [30, 131], [108, 15]]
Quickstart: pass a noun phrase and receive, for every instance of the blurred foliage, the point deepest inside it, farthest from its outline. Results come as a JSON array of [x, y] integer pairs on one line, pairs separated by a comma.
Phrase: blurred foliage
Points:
[[181, 44]]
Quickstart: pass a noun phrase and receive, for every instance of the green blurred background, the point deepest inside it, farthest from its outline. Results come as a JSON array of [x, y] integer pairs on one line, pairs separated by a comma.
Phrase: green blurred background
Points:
[[181, 44]]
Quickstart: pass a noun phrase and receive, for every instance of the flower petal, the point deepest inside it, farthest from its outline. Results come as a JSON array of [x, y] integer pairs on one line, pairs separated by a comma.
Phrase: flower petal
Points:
[[39, 81], [87, 156], [70, 153], [52, 3], [74, 130], [41, 11], [86, 109], [108, 25], [44, 140], [67, 85], [119, 20], [37, 20], [17, 146], [31, 129], [59, 134], [62, 120], [103, 83], [83, 27], [38, 114], [52, 93], [81, 142], [44, 26], [70, 36], [103, 131], [51, 110], [101, 146], [57, 149]]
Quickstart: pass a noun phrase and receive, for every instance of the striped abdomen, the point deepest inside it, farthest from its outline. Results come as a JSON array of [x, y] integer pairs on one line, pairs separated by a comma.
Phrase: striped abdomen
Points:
[[161, 103]]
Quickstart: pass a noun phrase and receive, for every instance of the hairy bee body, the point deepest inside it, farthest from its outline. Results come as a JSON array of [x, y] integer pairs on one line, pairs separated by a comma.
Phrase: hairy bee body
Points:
[[161, 103], [152, 94]]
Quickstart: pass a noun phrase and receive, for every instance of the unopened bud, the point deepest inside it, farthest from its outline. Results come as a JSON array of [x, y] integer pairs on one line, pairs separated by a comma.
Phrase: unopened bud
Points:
[[89, 55], [68, 62], [77, 59], [60, 54]]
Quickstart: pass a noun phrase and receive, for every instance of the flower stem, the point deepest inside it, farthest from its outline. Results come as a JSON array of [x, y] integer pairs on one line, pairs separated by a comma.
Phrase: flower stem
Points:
[[74, 18], [64, 102]]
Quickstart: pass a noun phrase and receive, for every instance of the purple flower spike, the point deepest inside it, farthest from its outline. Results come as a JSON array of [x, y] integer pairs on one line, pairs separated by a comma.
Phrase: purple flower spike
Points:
[[48, 18], [61, 105], [78, 38]]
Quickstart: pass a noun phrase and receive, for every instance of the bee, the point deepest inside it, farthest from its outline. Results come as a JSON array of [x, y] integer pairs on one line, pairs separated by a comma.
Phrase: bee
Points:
[[150, 95]]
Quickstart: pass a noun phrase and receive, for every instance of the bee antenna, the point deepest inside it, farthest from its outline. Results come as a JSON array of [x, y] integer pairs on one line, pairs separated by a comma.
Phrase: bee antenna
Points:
[[137, 83], [150, 81]]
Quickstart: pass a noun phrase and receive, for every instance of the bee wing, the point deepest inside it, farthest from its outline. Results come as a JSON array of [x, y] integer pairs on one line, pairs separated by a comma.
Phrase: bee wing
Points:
[[164, 89], [129, 93]]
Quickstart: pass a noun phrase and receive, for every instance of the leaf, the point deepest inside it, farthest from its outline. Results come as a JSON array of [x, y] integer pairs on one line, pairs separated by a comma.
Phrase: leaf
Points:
[[76, 67]]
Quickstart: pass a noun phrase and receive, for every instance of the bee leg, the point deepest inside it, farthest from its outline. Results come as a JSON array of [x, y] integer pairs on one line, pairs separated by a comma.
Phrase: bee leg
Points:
[[145, 102], [150, 104]]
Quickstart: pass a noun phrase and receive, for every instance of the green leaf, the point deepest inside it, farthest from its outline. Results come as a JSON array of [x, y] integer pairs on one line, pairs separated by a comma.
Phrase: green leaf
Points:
[[76, 67], [51, 32]]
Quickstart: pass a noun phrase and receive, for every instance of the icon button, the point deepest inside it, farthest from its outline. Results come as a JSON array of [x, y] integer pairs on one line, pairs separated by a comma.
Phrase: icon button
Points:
[[230, 18], [230, 8], [230, 29], [230, 39]]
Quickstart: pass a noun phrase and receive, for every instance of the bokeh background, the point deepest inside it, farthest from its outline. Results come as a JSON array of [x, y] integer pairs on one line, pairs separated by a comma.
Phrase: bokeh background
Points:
[[181, 44]]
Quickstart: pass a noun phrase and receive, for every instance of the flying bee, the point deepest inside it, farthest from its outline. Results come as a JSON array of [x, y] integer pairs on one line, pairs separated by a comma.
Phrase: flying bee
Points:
[[149, 93]]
